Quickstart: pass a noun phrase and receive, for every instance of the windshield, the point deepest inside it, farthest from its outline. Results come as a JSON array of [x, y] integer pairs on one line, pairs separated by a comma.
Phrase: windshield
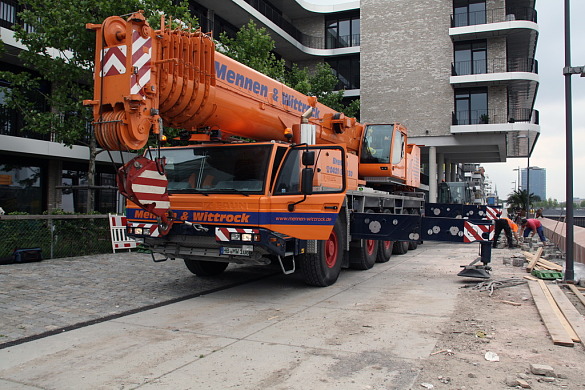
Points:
[[376, 145], [217, 169], [453, 193]]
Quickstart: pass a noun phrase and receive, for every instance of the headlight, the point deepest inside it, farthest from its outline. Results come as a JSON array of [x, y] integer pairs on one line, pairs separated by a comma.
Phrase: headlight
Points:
[[247, 237], [137, 230], [235, 236]]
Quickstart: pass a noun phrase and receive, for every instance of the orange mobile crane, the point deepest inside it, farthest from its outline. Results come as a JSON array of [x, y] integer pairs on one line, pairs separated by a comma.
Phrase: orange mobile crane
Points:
[[271, 174]]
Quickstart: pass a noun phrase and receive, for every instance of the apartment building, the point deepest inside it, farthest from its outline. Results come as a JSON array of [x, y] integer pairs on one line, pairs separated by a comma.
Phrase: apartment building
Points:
[[460, 74]]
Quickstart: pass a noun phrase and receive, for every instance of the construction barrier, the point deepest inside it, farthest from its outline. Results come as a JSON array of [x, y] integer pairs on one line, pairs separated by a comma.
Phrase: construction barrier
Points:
[[118, 232]]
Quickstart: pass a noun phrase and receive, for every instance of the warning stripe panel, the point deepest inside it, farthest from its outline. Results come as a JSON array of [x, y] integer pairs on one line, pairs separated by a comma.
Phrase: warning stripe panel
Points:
[[141, 62], [113, 61], [473, 232], [493, 213]]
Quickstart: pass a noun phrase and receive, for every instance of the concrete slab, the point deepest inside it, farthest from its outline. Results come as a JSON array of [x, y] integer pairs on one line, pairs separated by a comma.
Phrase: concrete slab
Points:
[[105, 356], [370, 330], [277, 366]]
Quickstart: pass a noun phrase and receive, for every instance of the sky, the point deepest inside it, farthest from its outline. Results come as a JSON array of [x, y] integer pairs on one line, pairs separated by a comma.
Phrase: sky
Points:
[[549, 151], [550, 148]]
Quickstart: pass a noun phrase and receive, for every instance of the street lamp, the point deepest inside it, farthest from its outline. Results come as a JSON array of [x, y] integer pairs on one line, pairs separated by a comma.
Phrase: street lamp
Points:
[[567, 72], [528, 187]]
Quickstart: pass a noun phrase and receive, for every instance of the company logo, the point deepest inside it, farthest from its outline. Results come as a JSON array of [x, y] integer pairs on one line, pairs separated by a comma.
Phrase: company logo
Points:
[[239, 80]]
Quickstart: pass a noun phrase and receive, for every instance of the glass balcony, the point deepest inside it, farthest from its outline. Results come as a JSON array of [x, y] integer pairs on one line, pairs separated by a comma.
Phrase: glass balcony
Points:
[[496, 15], [493, 116], [495, 65]]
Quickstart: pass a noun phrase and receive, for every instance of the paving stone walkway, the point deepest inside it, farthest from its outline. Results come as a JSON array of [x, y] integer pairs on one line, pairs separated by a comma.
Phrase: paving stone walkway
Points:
[[36, 298]]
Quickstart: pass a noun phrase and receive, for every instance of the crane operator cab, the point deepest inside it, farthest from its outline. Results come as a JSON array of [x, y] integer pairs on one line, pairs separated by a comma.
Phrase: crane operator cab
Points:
[[383, 151]]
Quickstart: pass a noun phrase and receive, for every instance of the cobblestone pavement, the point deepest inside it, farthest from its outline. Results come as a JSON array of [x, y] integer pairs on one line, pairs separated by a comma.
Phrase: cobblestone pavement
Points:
[[37, 298]]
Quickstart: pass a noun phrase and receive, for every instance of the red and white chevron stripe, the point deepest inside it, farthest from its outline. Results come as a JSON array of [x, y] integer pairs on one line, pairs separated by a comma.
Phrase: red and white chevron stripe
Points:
[[141, 62], [223, 234], [117, 221], [473, 232], [150, 187], [113, 61], [493, 213], [151, 228]]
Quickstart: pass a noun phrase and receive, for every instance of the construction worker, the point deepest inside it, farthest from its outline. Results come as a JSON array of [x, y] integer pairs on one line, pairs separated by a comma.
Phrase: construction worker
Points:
[[534, 226], [509, 227]]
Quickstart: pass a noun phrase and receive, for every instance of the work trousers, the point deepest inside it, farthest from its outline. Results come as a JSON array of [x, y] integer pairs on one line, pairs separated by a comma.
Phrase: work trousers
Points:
[[502, 224]]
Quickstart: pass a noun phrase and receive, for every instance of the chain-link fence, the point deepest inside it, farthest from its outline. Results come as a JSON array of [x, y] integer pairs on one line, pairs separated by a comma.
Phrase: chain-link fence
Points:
[[56, 235]]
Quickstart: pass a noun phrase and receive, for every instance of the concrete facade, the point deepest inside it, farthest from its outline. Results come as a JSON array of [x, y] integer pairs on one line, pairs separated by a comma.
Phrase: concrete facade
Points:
[[406, 56]]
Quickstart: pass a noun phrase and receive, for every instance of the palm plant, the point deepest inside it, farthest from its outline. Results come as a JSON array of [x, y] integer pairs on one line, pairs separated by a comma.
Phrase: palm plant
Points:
[[519, 198]]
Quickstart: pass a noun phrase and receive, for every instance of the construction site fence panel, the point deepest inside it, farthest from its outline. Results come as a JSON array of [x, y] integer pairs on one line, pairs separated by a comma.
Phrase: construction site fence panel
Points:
[[56, 235]]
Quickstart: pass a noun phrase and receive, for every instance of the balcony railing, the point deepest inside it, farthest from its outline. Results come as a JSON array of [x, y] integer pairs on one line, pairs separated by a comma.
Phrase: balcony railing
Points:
[[493, 16], [11, 123], [490, 116], [9, 10], [343, 41], [309, 41], [495, 65]]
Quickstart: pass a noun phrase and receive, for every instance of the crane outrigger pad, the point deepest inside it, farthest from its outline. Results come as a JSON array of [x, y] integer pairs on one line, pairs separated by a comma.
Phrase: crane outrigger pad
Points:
[[475, 271]]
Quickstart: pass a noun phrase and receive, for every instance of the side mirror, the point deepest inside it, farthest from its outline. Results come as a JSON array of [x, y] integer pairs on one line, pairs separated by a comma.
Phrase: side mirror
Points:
[[307, 181], [309, 158]]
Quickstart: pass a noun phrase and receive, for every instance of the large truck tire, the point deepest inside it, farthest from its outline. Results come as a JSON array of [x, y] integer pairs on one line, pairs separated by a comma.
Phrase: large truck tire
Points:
[[412, 245], [384, 251], [205, 268], [400, 247], [364, 257], [322, 269]]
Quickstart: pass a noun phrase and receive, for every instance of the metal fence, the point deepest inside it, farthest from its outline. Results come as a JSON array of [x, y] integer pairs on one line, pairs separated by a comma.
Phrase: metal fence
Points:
[[56, 235]]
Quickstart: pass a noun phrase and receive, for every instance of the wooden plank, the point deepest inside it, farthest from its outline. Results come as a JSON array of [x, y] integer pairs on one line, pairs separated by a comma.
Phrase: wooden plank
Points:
[[530, 277], [572, 315], [509, 302], [556, 309], [534, 260], [550, 265], [577, 293], [557, 333]]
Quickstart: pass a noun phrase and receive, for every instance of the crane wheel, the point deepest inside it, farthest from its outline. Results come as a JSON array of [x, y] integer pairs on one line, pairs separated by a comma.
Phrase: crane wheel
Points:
[[364, 256], [322, 269], [400, 247], [205, 268], [384, 251]]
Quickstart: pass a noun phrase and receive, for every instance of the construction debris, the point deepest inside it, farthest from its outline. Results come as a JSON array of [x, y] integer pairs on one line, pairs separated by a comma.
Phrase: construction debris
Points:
[[495, 284], [542, 369]]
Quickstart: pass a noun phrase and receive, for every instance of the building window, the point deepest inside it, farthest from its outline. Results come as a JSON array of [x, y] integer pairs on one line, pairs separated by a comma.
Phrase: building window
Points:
[[74, 198], [468, 12], [470, 58], [342, 31], [20, 187], [347, 70], [471, 106], [11, 120]]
